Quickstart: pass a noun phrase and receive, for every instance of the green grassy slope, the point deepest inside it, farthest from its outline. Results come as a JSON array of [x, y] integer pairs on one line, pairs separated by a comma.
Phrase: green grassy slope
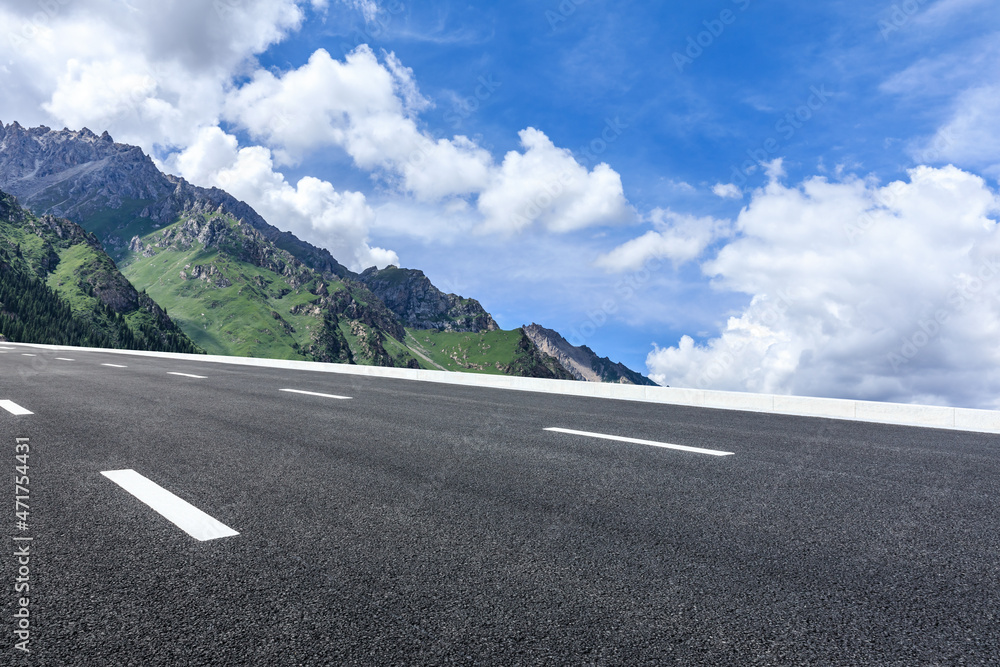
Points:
[[275, 308], [32, 312], [116, 226], [229, 311], [235, 293], [486, 352], [71, 266], [490, 352]]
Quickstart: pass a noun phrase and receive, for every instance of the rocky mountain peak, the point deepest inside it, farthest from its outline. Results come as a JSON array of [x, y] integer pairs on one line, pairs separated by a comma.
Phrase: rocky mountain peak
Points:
[[582, 362], [73, 173], [77, 175], [420, 305]]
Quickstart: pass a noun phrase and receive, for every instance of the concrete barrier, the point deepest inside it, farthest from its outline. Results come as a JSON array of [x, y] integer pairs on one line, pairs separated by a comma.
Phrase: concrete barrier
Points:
[[984, 421], [817, 407], [977, 420], [898, 413]]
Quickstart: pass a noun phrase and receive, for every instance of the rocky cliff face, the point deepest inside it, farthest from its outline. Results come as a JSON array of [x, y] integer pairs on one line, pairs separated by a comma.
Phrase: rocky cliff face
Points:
[[70, 174], [582, 362], [420, 305]]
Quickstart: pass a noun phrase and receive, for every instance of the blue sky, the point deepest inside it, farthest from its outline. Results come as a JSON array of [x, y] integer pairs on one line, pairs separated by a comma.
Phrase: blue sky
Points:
[[746, 149], [567, 68]]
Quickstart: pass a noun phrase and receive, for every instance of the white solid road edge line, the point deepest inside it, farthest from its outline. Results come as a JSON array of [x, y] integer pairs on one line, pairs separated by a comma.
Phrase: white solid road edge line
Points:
[[637, 441], [14, 409], [178, 511], [188, 375], [313, 393]]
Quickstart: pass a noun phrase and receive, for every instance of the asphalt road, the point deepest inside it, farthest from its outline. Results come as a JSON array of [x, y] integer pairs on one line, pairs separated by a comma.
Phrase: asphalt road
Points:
[[419, 523]]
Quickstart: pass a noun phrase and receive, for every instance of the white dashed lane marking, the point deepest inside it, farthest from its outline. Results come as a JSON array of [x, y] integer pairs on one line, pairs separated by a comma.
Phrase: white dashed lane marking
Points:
[[115, 365], [176, 510], [650, 443], [14, 409], [313, 393], [188, 375]]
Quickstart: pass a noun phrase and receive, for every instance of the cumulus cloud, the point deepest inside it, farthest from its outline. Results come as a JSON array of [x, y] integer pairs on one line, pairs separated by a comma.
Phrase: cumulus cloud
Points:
[[149, 72], [727, 191], [679, 238], [161, 75], [545, 185], [858, 290], [368, 110], [313, 209]]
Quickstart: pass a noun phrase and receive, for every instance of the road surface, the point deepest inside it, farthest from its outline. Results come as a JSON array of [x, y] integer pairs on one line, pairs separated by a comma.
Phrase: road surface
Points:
[[381, 521]]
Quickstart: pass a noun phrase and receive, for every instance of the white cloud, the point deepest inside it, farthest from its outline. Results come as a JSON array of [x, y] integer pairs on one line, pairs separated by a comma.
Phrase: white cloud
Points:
[[366, 109], [679, 238], [971, 136], [99, 91], [861, 291], [545, 185], [682, 187], [313, 210], [406, 86], [147, 71], [158, 74], [727, 191], [775, 169]]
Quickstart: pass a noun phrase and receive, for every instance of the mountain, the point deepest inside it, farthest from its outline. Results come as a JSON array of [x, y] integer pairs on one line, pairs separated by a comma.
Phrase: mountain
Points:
[[236, 292], [505, 352], [237, 285], [420, 305], [582, 362], [58, 286], [112, 189]]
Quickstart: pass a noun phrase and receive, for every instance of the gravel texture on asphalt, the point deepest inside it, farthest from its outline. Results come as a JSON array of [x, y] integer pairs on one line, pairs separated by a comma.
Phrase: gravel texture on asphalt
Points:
[[423, 523]]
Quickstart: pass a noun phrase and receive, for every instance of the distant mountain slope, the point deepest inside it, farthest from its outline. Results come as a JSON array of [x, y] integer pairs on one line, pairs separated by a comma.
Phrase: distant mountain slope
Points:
[[498, 352], [235, 292], [582, 362], [106, 186], [58, 286], [238, 285], [420, 305]]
